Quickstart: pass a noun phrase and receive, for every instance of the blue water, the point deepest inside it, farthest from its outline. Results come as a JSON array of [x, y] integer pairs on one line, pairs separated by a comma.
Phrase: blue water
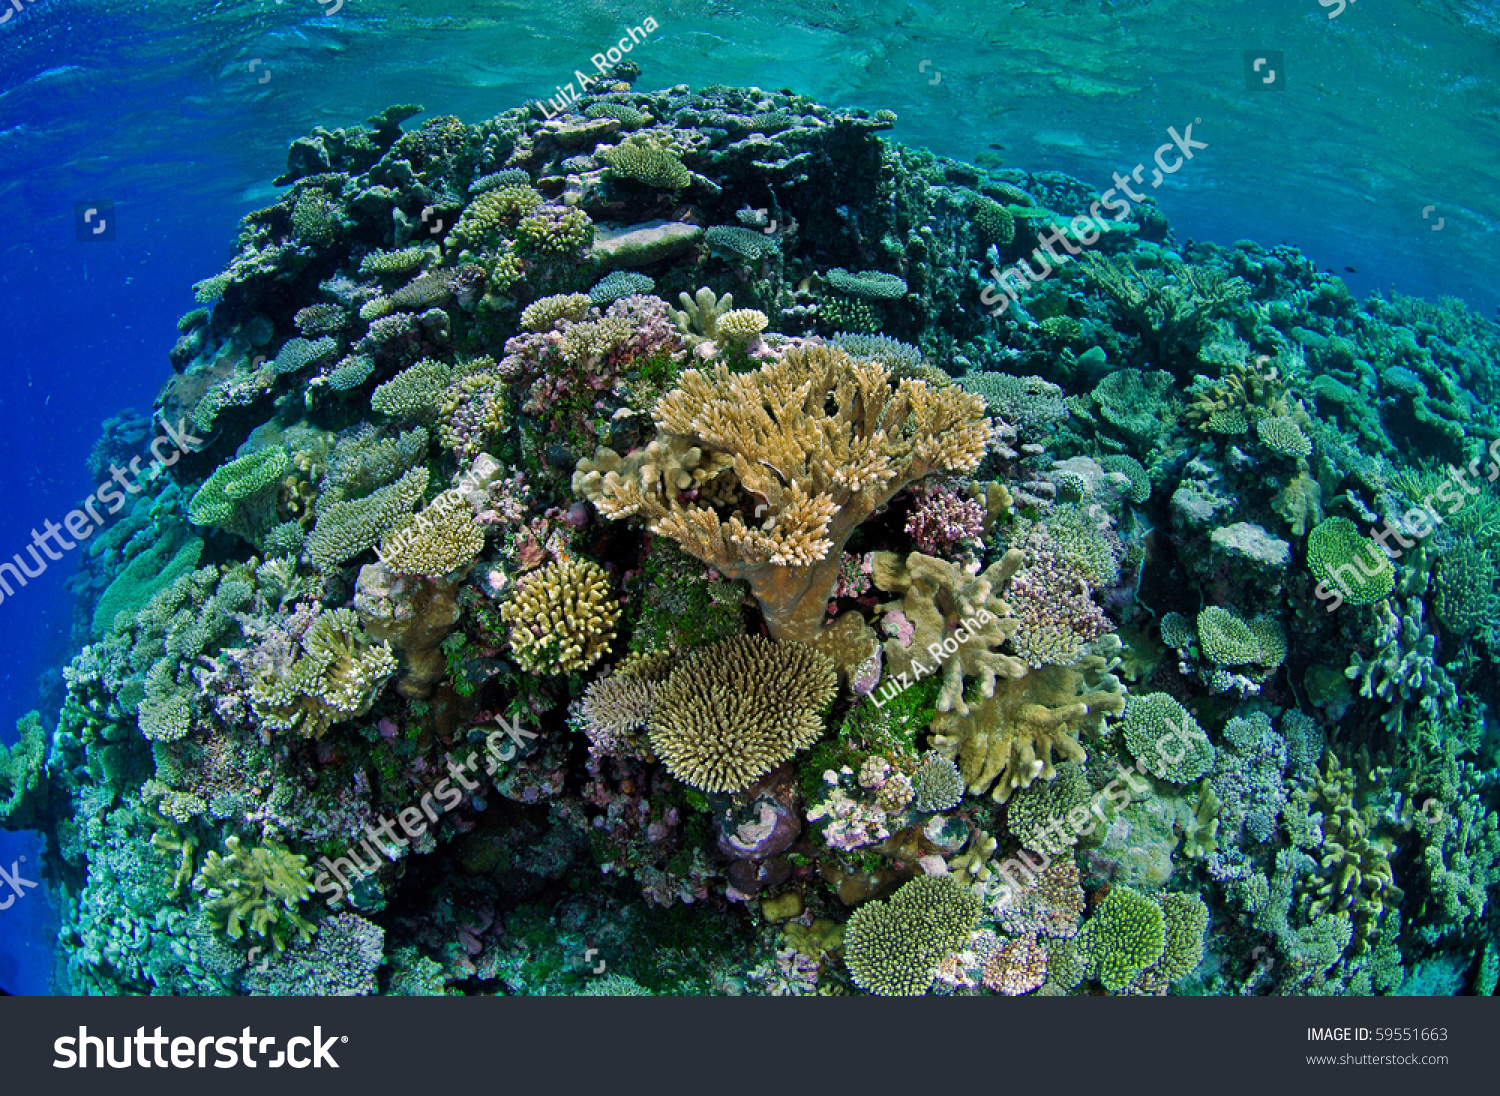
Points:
[[1378, 150]]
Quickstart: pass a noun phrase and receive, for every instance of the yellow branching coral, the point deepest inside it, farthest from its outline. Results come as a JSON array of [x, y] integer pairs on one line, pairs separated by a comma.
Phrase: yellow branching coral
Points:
[[957, 620], [1011, 738], [257, 891], [335, 676], [732, 712], [441, 539], [562, 617], [819, 441]]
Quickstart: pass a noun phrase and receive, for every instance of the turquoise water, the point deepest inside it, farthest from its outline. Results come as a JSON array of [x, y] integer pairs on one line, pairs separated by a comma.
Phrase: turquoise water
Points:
[[1375, 151]]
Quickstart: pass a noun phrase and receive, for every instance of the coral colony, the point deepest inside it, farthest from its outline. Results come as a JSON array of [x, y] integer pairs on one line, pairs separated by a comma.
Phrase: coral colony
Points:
[[844, 637]]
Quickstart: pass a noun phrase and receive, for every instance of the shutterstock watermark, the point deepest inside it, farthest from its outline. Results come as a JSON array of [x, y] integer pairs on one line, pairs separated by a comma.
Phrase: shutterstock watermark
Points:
[[16, 882], [568, 94], [1082, 819], [1089, 227], [1421, 521], [342, 873], [85, 521]]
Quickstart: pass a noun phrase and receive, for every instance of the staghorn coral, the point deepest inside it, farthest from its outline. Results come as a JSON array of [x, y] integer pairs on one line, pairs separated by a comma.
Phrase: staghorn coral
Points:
[[1356, 876], [824, 440], [1403, 666], [893, 947], [940, 519], [1051, 600], [1006, 741], [1172, 309], [731, 713], [331, 673], [562, 617], [256, 891]]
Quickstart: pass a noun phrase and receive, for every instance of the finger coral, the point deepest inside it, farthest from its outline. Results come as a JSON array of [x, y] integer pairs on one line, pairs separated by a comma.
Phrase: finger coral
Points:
[[732, 712], [562, 617], [824, 441]]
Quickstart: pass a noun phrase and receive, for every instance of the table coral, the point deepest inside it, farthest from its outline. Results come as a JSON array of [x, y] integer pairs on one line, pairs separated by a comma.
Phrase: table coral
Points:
[[824, 440], [240, 496], [1125, 935], [1161, 734], [1346, 561]]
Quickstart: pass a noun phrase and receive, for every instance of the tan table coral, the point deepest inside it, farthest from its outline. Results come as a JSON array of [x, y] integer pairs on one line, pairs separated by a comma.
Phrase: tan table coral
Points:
[[818, 442]]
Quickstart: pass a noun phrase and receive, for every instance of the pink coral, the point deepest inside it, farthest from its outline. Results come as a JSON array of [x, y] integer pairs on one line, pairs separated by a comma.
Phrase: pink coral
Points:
[[940, 520], [1055, 606]]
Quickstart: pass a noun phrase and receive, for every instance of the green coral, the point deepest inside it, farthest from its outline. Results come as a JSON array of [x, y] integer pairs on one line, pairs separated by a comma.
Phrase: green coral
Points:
[[1225, 638], [541, 314], [1356, 876], [334, 676], [995, 223], [555, 231], [873, 285], [413, 393], [893, 947], [1341, 558], [743, 243], [1126, 935], [394, 263], [23, 785], [840, 313], [257, 891], [161, 564], [347, 528], [486, 220], [647, 160], [240, 496], [1403, 666], [1133, 470], [1037, 815], [1465, 597], [1283, 435], [1160, 733], [621, 283], [1185, 918], [317, 218], [624, 113]]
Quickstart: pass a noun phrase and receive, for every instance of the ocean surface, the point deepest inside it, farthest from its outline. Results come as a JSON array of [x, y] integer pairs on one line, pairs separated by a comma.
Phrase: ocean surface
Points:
[[1374, 148]]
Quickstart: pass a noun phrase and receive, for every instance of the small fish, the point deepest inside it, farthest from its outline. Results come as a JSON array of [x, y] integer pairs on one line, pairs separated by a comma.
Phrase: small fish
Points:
[[1351, 270]]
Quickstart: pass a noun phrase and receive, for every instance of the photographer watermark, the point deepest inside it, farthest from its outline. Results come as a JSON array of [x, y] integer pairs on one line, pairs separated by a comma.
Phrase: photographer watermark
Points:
[[415, 820], [569, 94], [894, 686]]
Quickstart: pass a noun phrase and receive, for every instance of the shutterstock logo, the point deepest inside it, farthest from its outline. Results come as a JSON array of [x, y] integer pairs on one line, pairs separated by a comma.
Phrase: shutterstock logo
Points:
[[186, 1052]]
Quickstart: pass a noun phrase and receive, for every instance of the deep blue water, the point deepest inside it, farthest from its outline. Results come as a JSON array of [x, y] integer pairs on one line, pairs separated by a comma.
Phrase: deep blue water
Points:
[[166, 112]]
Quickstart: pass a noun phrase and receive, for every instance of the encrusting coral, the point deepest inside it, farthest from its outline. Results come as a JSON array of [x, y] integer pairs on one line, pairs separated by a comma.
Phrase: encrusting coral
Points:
[[824, 440]]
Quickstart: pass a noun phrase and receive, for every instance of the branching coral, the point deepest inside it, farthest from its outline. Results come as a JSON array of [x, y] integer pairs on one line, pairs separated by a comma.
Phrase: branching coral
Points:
[[647, 160], [1006, 741], [1356, 878], [240, 496], [562, 617], [332, 674], [441, 539], [1126, 934], [1403, 666], [956, 620], [824, 441], [257, 891], [345, 529], [893, 947], [23, 789], [1172, 309], [732, 712], [1161, 734]]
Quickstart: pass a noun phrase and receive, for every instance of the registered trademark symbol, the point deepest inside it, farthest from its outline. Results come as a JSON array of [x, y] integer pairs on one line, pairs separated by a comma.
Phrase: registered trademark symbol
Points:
[[343, 1038]]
